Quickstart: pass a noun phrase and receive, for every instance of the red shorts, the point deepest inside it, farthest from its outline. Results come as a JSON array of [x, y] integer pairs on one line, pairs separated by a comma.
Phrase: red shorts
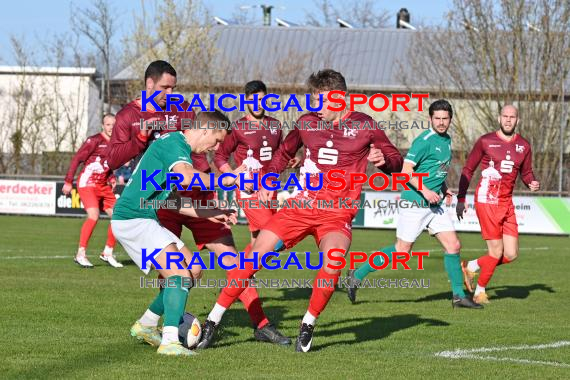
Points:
[[257, 217], [294, 224], [100, 197], [497, 220], [203, 230]]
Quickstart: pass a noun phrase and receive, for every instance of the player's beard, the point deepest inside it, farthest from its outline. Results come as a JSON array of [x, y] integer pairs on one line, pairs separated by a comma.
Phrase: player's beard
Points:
[[258, 116], [508, 133]]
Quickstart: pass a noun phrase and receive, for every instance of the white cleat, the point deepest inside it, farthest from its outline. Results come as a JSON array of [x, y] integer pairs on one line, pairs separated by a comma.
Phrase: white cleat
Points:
[[110, 259], [82, 261]]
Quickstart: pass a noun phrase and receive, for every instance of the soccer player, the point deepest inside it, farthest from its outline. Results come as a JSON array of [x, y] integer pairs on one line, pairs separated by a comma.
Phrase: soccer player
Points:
[[95, 191], [430, 153], [252, 145], [344, 147], [137, 228], [503, 155], [130, 140]]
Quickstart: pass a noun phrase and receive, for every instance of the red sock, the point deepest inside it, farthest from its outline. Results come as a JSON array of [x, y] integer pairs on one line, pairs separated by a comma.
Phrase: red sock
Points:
[[322, 291], [86, 231], [504, 260], [487, 264], [110, 238], [252, 304], [233, 290]]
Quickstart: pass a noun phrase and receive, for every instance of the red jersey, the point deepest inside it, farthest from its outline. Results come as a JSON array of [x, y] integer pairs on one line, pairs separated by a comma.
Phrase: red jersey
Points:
[[248, 141], [127, 141], [501, 161], [95, 168], [344, 147]]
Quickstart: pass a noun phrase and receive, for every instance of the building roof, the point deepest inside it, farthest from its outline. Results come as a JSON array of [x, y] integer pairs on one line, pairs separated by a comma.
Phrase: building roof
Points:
[[366, 57]]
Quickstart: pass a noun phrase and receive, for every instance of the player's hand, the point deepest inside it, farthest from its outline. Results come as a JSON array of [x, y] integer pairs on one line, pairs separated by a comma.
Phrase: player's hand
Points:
[[228, 181], [265, 195], [448, 197], [294, 163], [534, 186], [376, 157], [431, 196], [228, 217], [66, 189], [460, 209], [148, 125]]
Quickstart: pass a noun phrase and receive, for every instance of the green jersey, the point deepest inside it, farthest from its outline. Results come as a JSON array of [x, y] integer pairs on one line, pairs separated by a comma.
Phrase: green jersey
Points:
[[163, 154], [430, 153]]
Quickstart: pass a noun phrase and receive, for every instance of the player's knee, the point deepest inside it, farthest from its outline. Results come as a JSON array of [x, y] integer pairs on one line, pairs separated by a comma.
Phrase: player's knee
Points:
[[511, 255], [333, 261], [403, 246], [454, 246]]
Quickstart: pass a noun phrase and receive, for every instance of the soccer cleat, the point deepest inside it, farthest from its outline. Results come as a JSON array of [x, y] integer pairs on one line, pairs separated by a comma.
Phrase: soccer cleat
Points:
[[305, 338], [269, 333], [464, 302], [481, 298], [147, 334], [174, 349], [110, 259], [82, 261], [468, 276], [353, 284], [208, 332]]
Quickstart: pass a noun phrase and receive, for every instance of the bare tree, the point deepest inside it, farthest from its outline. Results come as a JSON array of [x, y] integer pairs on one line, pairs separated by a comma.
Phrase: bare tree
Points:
[[97, 23], [492, 54], [179, 32], [364, 13]]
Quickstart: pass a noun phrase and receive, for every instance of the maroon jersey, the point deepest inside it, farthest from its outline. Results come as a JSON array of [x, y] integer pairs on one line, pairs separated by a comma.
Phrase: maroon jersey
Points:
[[501, 161], [127, 141], [95, 169], [247, 141], [344, 147]]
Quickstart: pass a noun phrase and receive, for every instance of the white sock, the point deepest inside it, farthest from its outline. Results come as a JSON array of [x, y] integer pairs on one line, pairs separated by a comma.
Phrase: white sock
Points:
[[473, 266], [81, 252], [108, 251], [309, 318], [149, 319], [217, 313], [479, 289], [169, 334]]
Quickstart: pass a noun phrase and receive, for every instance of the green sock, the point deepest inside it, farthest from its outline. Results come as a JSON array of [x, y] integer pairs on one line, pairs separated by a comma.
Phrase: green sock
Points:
[[174, 300], [452, 263], [365, 269], [157, 306]]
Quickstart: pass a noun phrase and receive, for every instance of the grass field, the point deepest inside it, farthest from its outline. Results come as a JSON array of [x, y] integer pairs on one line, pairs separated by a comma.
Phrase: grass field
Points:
[[58, 320]]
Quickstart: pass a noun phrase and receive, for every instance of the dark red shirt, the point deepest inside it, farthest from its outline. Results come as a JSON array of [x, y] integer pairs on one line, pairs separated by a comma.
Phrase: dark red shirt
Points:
[[95, 169], [501, 162]]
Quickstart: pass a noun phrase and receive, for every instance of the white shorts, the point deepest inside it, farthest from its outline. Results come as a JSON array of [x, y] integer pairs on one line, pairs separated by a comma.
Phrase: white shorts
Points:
[[412, 222], [136, 234]]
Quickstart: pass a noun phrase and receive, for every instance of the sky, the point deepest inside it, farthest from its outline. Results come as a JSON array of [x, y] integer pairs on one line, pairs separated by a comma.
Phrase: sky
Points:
[[31, 19]]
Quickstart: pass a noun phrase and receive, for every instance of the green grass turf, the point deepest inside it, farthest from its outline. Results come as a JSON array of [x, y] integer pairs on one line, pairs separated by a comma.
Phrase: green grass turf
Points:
[[58, 320]]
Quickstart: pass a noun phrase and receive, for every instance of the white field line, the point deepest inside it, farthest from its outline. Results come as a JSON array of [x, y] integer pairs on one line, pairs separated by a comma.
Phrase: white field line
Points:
[[476, 249], [470, 353]]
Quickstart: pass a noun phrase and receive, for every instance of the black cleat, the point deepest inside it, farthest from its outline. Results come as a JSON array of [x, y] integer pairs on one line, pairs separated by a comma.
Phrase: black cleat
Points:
[[208, 332], [305, 338], [353, 284], [465, 302], [269, 333]]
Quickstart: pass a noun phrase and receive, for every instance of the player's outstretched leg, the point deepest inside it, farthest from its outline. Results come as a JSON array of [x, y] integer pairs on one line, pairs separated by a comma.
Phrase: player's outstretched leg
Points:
[[86, 231], [146, 328], [323, 288], [355, 277]]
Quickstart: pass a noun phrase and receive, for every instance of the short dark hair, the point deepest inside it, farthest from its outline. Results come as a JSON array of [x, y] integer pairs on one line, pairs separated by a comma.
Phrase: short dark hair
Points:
[[215, 116], [326, 80], [441, 105], [254, 87], [107, 115], [157, 68]]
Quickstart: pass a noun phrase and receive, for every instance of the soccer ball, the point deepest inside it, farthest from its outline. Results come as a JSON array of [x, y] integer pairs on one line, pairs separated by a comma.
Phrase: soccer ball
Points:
[[189, 331]]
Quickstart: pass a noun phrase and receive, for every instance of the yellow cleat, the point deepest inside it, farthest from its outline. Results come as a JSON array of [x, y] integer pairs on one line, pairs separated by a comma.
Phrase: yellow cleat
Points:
[[174, 349], [468, 276], [147, 334], [481, 298]]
